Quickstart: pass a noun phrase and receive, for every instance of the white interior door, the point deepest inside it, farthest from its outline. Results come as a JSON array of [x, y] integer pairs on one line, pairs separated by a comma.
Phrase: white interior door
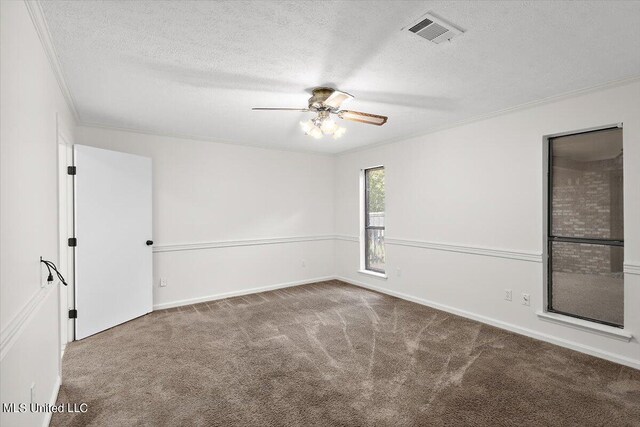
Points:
[[113, 259]]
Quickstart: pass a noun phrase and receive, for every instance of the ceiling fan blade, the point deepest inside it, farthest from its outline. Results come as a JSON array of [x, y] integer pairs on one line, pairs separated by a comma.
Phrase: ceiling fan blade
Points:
[[357, 116], [337, 98], [280, 109]]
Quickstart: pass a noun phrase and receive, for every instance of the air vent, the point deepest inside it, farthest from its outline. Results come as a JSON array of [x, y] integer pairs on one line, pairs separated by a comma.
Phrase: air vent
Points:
[[434, 29]]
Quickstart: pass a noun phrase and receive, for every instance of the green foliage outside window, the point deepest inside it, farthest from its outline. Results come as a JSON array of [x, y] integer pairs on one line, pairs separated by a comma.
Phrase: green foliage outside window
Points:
[[376, 190]]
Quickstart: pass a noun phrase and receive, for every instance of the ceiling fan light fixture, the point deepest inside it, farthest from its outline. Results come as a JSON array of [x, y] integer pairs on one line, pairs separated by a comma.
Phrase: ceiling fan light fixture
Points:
[[325, 102], [339, 132], [315, 132], [328, 126], [307, 126]]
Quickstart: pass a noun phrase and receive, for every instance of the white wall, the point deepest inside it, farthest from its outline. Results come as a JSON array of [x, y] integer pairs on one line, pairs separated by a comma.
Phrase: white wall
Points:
[[465, 215], [30, 100], [221, 213]]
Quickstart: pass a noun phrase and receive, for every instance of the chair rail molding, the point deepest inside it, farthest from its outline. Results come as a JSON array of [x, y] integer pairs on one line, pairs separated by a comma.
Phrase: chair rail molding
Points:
[[14, 328], [465, 249], [473, 250], [632, 268], [242, 242], [346, 238]]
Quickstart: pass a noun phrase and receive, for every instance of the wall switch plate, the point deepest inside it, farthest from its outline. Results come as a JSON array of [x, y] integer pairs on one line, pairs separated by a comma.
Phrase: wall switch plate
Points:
[[163, 282], [398, 272], [508, 294], [526, 299], [32, 392], [304, 263]]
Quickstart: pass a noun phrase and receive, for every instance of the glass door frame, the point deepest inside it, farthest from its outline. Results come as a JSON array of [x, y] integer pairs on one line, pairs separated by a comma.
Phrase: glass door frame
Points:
[[551, 238]]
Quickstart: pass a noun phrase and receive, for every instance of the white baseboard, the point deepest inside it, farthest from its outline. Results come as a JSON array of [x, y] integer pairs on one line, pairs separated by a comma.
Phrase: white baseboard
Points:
[[224, 295], [52, 401], [503, 325]]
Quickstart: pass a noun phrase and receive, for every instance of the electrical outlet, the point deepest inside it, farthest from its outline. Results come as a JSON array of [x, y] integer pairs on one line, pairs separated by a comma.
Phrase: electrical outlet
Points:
[[43, 274], [33, 393], [508, 294], [526, 299], [163, 282]]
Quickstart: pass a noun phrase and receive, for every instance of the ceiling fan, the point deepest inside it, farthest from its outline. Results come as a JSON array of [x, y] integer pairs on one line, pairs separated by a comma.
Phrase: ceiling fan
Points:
[[325, 102]]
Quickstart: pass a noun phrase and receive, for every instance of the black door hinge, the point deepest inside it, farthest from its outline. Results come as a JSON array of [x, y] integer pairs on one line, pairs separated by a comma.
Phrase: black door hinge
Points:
[[71, 170], [73, 242], [73, 314]]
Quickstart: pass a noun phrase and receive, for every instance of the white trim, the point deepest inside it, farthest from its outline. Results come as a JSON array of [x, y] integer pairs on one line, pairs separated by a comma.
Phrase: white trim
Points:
[[362, 249], [503, 325], [373, 273], [232, 243], [14, 328], [473, 250], [618, 125], [346, 238], [583, 325], [231, 294], [632, 268], [40, 24], [52, 401]]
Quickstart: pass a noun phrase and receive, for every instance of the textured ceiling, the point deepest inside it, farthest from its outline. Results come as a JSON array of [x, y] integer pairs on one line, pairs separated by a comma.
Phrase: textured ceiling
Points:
[[197, 68]]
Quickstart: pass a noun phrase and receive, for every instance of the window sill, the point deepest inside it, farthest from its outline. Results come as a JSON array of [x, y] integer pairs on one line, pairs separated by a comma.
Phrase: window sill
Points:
[[584, 325], [373, 273]]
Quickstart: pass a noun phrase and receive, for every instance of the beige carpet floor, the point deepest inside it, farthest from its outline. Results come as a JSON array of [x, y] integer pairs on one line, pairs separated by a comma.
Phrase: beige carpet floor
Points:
[[331, 354]]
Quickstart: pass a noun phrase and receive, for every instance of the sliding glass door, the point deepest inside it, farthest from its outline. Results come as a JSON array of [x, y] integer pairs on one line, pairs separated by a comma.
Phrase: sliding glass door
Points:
[[586, 227]]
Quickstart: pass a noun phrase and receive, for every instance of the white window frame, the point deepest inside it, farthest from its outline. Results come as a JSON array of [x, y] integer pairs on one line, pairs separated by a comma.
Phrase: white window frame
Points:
[[544, 314], [363, 236]]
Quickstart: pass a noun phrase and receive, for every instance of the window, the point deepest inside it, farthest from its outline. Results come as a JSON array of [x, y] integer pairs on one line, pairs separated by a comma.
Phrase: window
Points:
[[585, 227], [374, 219]]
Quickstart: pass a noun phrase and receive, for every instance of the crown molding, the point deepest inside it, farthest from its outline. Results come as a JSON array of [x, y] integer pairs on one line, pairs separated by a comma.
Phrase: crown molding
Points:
[[520, 107], [37, 16], [197, 138], [497, 113], [39, 22]]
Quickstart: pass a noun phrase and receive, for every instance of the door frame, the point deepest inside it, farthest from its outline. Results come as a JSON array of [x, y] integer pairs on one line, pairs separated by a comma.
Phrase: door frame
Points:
[[65, 230]]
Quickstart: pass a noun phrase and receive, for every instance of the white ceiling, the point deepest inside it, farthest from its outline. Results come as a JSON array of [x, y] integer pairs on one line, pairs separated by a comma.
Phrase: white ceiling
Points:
[[197, 68]]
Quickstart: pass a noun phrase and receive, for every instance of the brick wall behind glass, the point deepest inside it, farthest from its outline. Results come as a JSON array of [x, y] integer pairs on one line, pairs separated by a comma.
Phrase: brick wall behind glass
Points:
[[587, 202]]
